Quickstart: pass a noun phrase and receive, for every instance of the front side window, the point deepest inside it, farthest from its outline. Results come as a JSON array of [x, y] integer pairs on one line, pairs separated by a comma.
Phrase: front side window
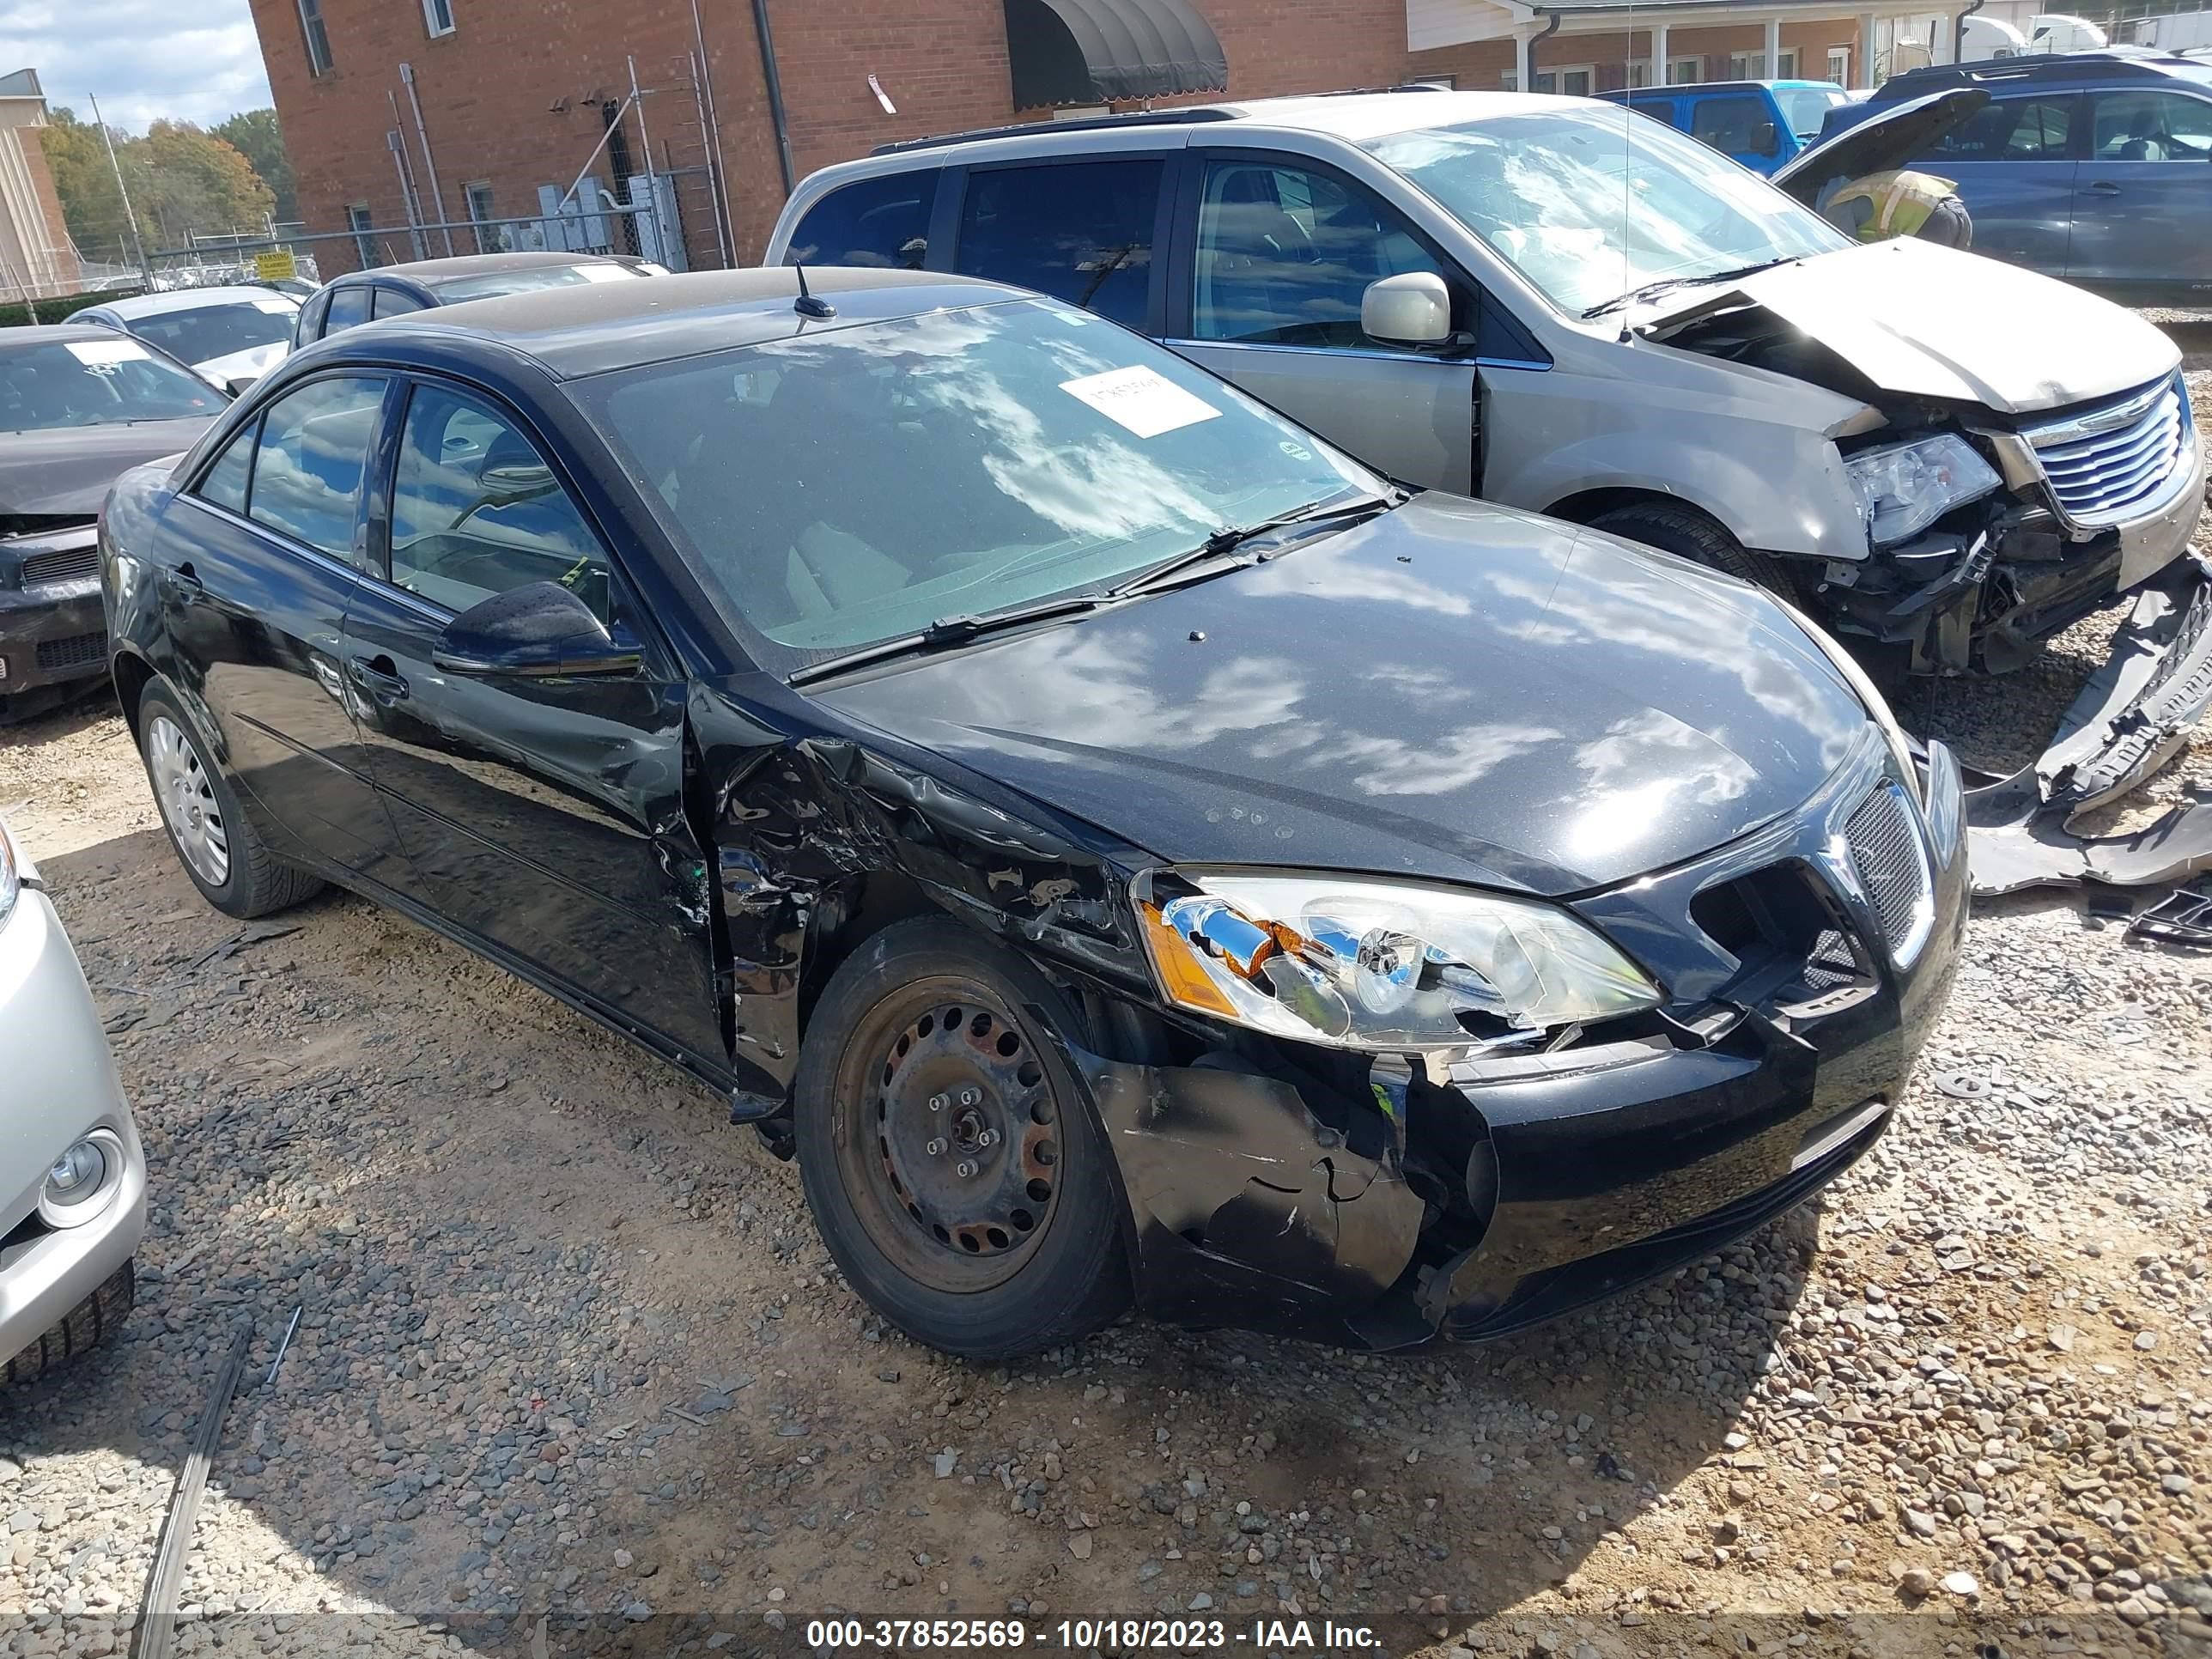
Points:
[[477, 511], [349, 308], [1285, 253], [317, 37], [96, 382], [206, 332], [839, 489], [308, 467], [1734, 126], [225, 484], [883, 223], [1080, 231], [1589, 205], [2012, 130], [2150, 126]]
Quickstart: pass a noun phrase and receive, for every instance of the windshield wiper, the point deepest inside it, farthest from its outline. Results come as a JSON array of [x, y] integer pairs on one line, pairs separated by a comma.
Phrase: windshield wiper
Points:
[[1227, 539], [1666, 284], [946, 630]]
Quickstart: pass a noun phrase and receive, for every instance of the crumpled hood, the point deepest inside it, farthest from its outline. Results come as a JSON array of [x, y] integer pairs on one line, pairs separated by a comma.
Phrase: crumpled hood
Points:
[[250, 364], [67, 471], [1451, 690], [1931, 322]]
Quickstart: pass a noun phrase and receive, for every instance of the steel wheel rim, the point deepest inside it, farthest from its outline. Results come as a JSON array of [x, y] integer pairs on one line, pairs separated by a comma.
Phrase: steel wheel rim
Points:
[[938, 1078], [187, 800]]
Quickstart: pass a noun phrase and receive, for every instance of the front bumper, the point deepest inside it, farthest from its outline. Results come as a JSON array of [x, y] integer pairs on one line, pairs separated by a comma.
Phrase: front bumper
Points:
[[1515, 1190], [51, 636], [61, 1085]]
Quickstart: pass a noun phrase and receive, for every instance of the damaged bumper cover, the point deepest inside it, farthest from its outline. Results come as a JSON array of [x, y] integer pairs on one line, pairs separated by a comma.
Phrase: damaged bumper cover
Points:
[[2130, 718], [53, 632], [1514, 1189]]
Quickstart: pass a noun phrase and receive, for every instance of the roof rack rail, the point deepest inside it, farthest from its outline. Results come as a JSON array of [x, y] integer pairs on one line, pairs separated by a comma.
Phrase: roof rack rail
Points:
[[2046, 66], [1368, 92], [1149, 118]]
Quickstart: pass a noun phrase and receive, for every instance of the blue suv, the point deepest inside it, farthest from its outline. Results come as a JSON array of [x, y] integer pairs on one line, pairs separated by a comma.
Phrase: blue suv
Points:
[[2094, 166], [1762, 123]]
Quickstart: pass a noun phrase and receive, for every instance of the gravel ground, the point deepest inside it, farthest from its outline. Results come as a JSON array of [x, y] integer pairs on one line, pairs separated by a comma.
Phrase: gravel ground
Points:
[[573, 1370]]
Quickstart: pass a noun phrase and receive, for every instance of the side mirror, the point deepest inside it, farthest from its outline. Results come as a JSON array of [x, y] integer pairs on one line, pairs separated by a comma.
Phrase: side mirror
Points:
[[239, 385], [538, 631], [1411, 310], [1766, 139]]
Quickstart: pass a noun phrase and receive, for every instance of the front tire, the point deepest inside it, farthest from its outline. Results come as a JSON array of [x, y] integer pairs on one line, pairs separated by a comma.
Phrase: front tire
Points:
[[954, 1168], [223, 854], [92, 1320], [1691, 535]]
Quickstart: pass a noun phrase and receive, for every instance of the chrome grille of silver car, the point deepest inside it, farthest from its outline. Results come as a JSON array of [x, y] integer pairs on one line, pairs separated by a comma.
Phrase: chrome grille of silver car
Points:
[[2106, 463], [1892, 868]]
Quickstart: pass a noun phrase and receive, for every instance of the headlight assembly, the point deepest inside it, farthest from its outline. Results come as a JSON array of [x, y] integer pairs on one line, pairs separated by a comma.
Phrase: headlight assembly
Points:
[[1379, 965], [1904, 488]]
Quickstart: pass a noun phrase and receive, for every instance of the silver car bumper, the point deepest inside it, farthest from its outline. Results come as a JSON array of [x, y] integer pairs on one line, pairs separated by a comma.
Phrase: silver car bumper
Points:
[[58, 1086], [2155, 541]]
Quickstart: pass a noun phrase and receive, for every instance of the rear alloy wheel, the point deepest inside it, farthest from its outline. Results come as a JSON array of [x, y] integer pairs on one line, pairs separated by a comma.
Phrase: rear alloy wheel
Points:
[[222, 854], [956, 1173]]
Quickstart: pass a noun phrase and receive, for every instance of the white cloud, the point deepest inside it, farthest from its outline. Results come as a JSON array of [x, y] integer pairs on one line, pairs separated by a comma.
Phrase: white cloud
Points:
[[145, 60]]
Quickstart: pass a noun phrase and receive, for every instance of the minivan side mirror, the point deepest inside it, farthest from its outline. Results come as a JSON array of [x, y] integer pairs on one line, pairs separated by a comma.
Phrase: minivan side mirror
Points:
[[1766, 139], [540, 630], [1414, 309]]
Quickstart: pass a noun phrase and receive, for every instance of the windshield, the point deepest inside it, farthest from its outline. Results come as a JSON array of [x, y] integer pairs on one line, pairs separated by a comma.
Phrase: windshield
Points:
[[1546, 191], [854, 485], [208, 331], [63, 383], [522, 281], [1807, 107]]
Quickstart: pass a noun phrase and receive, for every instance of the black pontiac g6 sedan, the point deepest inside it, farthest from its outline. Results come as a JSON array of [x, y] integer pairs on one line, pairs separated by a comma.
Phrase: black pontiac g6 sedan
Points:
[[1121, 845]]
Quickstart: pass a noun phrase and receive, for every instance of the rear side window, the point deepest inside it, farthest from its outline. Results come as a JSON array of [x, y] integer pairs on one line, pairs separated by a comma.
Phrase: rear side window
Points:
[[883, 223], [1734, 124], [349, 308], [391, 302], [2012, 129], [308, 468], [1079, 231]]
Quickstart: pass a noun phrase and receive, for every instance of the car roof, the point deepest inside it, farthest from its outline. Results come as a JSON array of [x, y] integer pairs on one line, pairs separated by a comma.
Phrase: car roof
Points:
[[2122, 64], [432, 272], [591, 327], [54, 334], [182, 299]]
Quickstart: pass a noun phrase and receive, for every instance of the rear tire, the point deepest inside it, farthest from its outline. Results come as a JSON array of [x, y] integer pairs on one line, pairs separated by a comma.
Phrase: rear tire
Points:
[[951, 1161], [220, 850], [1688, 533], [94, 1320]]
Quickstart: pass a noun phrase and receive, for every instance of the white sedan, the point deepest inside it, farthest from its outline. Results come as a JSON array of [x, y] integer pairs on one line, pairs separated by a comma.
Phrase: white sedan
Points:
[[72, 1173], [231, 336]]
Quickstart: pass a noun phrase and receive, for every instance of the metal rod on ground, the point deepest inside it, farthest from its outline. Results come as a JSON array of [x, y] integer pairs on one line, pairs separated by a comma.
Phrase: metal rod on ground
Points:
[[282, 1348], [644, 148], [157, 1628], [725, 226], [430, 162], [121, 189]]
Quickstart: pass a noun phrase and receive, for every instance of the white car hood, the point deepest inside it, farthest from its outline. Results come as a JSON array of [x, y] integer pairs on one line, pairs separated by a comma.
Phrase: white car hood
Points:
[[250, 364], [1926, 321]]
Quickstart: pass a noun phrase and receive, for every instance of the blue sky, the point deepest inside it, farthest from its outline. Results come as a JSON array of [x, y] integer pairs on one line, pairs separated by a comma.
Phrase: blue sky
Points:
[[191, 60]]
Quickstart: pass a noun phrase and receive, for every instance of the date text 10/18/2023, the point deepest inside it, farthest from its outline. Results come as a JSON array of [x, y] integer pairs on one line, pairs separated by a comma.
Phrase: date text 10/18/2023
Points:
[[1118, 1635]]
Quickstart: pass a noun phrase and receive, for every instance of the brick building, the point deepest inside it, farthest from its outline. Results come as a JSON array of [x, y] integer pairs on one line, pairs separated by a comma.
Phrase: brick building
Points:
[[37, 258], [404, 112]]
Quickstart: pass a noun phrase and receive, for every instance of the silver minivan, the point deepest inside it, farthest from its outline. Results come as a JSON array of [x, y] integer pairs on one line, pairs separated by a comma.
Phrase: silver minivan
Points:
[[1559, 304]]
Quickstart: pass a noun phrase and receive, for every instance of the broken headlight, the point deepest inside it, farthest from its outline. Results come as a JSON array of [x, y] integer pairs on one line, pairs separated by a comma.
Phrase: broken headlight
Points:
[[1386, 965], [1904, 488]]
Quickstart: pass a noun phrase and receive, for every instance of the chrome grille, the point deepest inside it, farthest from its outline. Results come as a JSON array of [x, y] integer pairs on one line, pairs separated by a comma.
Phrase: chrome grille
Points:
[[77, 562], [1892, 869], [2105, 465]]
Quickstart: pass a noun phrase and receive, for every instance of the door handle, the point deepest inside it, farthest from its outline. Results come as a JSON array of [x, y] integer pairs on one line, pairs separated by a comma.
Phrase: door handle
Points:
[[2101, 187], [378, 678], [190, 590]]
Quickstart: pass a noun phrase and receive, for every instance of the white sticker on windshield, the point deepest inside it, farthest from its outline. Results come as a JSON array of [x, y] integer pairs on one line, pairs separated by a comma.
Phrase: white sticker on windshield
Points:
[[1140, 399], [276, 307], [98, 354]]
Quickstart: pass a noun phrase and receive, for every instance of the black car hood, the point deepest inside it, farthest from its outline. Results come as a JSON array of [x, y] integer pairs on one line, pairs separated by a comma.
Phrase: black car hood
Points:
[[1889, 138], [1451, 690], [66, 472]]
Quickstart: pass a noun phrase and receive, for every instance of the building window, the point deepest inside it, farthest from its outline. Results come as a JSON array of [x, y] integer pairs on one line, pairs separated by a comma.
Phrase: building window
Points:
[[490, 238], [359, 221], [1786, 64], [438, 17], [1441, 83], [1685, 71], [1509, 82], [1639, 73], [1576, 82], [1751, 65], [1839, 65], [319, 37]]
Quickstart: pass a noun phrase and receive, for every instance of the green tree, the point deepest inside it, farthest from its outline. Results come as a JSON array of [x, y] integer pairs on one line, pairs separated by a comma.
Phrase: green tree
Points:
[[255, 135], [91, 206], [195, 181]]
